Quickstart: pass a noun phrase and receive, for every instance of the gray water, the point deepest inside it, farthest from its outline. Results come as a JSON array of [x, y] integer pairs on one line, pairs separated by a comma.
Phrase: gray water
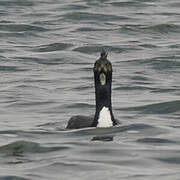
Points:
[[47, 52]]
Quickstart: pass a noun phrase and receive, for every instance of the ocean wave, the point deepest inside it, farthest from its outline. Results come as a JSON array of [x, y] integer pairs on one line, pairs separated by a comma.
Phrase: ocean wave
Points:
[[156, 108], [52, 47], [18, 148], [21, 28]]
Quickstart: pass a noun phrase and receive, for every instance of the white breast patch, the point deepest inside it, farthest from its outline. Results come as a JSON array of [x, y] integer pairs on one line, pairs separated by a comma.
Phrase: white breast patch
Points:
[[104, 118]]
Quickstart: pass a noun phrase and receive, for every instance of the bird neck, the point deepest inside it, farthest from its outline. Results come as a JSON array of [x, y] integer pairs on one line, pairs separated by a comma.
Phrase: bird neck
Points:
[[103, 102]]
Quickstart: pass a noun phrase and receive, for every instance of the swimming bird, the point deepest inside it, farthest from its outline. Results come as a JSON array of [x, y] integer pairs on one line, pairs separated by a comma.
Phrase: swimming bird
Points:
[[103, 117]]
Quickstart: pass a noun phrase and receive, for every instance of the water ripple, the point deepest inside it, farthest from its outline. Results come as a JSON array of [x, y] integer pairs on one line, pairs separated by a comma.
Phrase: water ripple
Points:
[[155, 141], [11, 3], [11, 69], [157, 108], [21, 28], [13, 178], [163, 28], [46, 64], [85, 16], [19, 148], [52, 47]]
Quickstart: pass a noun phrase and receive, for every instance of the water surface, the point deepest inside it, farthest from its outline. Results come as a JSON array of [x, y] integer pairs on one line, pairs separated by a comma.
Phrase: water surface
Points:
[[47, 53]]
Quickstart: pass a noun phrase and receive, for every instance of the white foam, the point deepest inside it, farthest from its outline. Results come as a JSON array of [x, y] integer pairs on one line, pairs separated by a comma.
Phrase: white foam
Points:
[[104, 119]]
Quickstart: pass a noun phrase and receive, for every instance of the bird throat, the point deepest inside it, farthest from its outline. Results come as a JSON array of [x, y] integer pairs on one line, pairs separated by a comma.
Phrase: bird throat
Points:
[[102, 78]]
